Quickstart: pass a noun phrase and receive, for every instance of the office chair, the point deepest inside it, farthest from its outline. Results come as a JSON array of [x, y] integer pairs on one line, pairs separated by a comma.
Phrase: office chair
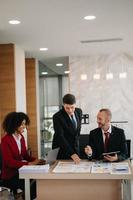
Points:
[[128, 147], [5, 193], [83, 142], [1, 182]]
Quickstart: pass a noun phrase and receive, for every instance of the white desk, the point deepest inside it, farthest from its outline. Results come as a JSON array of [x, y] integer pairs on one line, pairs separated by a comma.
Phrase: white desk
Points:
[[77, 186]]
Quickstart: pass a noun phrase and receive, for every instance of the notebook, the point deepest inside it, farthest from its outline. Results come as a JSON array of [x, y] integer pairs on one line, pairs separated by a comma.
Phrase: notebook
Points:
[[52, 155], [34, 169]]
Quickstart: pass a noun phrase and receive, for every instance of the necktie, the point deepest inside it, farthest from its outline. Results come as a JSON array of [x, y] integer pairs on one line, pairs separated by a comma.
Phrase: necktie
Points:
[[106, 141], [73, 122]]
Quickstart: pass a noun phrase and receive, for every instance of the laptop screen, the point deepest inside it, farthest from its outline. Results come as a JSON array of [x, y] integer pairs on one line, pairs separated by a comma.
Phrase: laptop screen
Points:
[[52, 155]]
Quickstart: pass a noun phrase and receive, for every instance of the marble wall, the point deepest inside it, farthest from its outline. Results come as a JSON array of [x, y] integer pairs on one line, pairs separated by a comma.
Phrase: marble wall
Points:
[[92, 94]]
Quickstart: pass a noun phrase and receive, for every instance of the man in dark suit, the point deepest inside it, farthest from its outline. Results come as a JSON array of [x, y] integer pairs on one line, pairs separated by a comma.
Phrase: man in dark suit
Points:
[[106, 138], [67, 125]]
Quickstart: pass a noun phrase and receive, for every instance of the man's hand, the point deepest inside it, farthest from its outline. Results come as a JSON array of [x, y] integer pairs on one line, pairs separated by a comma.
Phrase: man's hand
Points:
[[88, 150], [111, 158], [75, 158]]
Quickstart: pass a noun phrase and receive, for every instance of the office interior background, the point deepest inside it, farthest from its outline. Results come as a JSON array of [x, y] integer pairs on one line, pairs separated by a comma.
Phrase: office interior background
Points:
[[55, 50]]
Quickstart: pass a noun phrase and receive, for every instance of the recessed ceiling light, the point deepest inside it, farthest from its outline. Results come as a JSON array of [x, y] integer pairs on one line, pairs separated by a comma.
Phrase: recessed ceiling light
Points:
[[96, 76], [90, 17], [44, 73], [109, 76], [59, 64], [66, 72], [43, 49], [14, 22], [123, 75], [83, 77]]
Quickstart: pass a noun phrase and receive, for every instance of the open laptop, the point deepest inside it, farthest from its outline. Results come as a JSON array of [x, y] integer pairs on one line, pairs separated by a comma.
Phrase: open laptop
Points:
[[52, 155]]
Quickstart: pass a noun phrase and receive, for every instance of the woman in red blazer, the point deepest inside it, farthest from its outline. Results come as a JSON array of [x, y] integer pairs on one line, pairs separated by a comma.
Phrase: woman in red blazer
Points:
[[14, 153]]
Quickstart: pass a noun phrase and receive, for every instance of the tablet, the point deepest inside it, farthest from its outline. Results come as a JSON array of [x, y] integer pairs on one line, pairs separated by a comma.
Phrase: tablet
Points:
[[112, 153]]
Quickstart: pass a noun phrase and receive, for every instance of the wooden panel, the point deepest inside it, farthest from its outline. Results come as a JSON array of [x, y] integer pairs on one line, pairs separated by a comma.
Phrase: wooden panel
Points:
[[79, 189], [31, 104], [7, 81]]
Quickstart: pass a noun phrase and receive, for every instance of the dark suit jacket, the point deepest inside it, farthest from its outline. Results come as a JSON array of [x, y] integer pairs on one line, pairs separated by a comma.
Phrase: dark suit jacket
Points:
[[117, 142], [65, 136]]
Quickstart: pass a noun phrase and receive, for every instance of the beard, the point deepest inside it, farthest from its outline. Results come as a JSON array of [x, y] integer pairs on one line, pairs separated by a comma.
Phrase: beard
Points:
[[101, 125]]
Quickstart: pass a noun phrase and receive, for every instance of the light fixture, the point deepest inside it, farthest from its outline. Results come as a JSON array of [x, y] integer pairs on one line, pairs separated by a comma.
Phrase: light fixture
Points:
[[44, 73], [83, 77], [96, 76], [59, 64], [122, 75], [67, 72], [44, 49], [14, 22], [109, 76], [90, 17]]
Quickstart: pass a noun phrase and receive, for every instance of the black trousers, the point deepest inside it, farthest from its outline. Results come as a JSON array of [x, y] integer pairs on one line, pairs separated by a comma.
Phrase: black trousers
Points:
[[14, 183]]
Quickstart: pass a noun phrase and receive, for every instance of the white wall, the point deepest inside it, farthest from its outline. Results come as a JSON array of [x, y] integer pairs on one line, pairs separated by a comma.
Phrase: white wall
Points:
[[116, 94], [20, 83]]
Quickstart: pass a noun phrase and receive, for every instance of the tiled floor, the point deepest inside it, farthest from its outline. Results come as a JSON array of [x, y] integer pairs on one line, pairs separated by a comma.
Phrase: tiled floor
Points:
[[5, 194]]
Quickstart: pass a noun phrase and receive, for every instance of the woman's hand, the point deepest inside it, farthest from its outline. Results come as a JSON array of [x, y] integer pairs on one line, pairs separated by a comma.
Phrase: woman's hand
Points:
[[37, 162], [41, 162]]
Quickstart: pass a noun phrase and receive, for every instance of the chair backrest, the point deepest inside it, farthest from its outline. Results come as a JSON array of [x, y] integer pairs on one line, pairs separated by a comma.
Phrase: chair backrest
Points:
[[5, 193], [1, 181], [83, 142], [0, 158], [128, 147]]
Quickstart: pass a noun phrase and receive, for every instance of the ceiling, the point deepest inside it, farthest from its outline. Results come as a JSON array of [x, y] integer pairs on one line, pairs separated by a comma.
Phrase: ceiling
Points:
[[59, 25]]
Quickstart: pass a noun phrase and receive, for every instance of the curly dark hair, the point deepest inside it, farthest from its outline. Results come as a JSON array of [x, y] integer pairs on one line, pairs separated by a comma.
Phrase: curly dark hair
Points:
[[24, 116], [13, 120]]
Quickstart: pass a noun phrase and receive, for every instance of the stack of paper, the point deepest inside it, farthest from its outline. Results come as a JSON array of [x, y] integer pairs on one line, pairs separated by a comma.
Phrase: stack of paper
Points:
[[34, 169]]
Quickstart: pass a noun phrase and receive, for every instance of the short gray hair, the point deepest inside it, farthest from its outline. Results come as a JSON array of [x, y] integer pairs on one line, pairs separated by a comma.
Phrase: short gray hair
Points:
[[107, 111]]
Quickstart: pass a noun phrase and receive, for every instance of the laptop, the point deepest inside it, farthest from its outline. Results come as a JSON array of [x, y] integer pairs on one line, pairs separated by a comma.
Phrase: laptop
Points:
[[52, 155]]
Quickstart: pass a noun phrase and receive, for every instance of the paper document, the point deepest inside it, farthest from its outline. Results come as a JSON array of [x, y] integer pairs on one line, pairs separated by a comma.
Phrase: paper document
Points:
[[101, 168], [34, 169], [111, 168], [120, 168], [71, 167], [92, 167]]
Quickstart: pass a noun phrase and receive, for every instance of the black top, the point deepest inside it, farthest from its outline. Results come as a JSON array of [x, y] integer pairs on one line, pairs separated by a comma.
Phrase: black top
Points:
[[66, 136], [117, 142]]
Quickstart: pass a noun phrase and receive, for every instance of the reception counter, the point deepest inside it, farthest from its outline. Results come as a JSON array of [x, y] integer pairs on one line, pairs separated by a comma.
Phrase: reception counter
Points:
[[79, 186]]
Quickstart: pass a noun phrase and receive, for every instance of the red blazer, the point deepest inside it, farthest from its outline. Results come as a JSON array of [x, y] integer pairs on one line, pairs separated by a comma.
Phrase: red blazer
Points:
[[12, 160]]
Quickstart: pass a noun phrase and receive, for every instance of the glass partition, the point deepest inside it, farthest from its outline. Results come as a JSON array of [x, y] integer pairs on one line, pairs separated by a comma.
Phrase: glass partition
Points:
[[52, 88]]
